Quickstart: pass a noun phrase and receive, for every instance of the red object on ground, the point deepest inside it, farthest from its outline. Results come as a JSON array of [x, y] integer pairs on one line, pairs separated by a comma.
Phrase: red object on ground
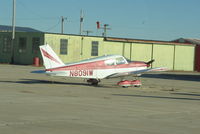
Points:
[[128, 83], [36, 61]]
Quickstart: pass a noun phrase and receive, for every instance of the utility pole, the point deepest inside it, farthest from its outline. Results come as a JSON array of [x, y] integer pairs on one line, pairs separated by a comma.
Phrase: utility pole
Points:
[[13, 19], [81, 23], [62, 24], [105, 30], [13, 31]]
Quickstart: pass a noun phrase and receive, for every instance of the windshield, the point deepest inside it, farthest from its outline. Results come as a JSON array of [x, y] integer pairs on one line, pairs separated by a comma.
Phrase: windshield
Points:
[[120, 60]]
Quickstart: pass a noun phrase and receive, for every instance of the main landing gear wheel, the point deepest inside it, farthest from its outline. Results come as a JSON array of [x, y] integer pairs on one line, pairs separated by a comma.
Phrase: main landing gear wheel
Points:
[[93, 81]]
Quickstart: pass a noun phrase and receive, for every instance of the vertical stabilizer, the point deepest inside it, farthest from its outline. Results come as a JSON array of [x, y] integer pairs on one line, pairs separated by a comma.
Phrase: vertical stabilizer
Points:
[[50, 59]]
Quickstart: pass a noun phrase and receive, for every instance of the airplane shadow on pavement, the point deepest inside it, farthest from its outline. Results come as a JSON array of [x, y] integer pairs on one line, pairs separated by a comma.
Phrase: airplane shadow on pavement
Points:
[[185, 77], [158, 97], [37, 81]]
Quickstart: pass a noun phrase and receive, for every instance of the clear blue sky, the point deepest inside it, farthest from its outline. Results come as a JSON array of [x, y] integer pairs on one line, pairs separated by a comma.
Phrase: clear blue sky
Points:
[[139, 19]]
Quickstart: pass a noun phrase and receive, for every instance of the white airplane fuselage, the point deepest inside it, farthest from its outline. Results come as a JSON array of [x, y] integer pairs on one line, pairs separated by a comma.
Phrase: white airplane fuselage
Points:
[[97, 68]]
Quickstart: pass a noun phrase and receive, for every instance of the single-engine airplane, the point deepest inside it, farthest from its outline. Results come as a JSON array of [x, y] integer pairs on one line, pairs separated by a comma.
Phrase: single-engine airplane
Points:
[[95, 69]]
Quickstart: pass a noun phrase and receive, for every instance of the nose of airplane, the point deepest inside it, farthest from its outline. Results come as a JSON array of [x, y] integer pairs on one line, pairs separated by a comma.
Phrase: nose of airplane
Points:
[[149, 62], [139, 64]]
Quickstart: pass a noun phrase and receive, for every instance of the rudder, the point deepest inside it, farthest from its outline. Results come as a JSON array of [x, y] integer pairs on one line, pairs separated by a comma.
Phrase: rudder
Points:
[[50, 58]]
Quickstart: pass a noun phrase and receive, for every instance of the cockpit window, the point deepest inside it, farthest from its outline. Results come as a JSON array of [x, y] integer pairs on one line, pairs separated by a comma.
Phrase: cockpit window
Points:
[[110, 62], [120, 60], [116, 61]]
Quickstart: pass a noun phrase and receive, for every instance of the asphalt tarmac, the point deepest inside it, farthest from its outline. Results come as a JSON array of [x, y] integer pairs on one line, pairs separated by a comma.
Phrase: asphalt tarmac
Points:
[[167, 103]]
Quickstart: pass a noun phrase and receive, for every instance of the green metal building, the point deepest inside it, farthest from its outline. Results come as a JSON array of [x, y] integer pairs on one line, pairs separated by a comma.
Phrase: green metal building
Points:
[[70, 48]]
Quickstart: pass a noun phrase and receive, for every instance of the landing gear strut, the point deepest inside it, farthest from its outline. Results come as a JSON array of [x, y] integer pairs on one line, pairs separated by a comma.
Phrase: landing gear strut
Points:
[[93, 81]]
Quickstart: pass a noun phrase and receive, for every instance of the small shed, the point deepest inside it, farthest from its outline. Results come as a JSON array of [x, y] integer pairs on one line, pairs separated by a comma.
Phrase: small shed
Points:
[[23, 48]]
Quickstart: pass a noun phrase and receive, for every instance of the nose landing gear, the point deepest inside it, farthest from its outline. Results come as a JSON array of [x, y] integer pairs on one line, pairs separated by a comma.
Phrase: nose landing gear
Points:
[[129, 83]]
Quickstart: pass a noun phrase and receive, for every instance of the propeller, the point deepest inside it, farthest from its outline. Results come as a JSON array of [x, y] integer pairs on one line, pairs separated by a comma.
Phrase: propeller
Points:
[[149, 62]]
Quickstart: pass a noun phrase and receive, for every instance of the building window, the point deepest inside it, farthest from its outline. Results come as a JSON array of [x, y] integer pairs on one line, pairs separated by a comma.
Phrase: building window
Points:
[[95, 47], [7, 44], [22, 44], [63, 46], [35, 45]]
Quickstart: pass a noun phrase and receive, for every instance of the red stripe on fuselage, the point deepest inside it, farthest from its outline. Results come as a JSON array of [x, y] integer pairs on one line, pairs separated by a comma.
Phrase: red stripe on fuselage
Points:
[[98, 65], [46, 54]]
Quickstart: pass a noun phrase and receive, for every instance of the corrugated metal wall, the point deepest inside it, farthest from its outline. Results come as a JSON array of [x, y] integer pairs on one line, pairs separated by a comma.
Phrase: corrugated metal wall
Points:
[[73, 46], [141, 52], [163, 55], [26, 56], [15, 55], [113, 48], [127, 50], [5, 57], [79, 47], [184, 58]]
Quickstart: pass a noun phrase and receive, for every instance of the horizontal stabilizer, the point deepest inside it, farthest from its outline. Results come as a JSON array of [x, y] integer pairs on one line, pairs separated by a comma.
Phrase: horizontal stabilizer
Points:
[[39, 72]]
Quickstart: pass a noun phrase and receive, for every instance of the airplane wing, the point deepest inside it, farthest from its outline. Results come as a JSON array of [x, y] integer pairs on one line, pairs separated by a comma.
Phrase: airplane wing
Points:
[[139, 72]]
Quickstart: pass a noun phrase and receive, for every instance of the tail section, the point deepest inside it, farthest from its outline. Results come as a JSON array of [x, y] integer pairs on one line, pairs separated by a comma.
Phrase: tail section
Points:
[[50, 59]]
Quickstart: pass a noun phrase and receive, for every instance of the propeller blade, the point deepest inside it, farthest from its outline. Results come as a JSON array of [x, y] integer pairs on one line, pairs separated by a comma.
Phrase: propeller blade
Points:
[[149, 62]]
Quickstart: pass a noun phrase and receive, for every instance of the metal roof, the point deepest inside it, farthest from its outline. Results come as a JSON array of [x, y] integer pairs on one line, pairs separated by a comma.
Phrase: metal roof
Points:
[[144, 41], [188, 40], [193, 41], [129, 40], [4, 28]]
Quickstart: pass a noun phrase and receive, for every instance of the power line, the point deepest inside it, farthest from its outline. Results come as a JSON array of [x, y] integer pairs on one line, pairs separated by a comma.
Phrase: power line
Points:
[[29, 9], [87, 32], [54, 26], [38, 19]]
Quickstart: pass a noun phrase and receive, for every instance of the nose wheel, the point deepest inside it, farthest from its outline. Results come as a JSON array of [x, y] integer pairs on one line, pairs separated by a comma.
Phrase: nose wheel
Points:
[[129, 83]]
